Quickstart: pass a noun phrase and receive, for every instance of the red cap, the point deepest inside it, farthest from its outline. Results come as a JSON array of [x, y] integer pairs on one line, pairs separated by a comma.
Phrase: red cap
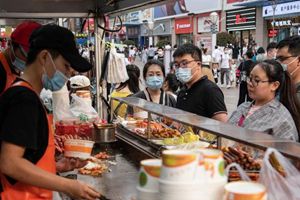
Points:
[[22, 33]]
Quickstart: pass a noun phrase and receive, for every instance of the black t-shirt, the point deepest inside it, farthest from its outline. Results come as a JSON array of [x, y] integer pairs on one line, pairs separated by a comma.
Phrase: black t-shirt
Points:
[[23, 122], [2, 78], [204, 98], [246, 66]]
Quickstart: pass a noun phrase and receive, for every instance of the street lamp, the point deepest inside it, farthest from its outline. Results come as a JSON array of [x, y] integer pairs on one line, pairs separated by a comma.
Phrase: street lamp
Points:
[[214, 18], [274, 5], [150, 27]]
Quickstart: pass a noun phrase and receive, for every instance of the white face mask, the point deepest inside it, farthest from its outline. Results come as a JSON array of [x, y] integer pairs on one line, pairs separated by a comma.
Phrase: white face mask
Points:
[[285, 66]]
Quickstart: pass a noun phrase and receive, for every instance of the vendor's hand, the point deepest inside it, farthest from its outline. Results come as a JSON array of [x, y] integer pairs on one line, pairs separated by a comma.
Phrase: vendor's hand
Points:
[[79, 190]]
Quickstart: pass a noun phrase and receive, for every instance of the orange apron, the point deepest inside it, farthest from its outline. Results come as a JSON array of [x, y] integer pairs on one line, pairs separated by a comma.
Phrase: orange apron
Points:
[[24, 191], [10, 76]]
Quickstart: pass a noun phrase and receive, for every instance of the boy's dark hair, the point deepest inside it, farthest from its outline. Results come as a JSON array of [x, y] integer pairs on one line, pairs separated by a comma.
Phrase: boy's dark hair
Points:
[[249, 54], [191, 49], [153, 62], [293, 44], [172, 82], [261, 50], [272, 45]]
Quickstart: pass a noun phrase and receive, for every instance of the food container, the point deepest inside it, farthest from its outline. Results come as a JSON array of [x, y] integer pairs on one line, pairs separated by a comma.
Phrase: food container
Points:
[[78, 148], [179, 165], [149, 174], [242, 190], [104, 133]]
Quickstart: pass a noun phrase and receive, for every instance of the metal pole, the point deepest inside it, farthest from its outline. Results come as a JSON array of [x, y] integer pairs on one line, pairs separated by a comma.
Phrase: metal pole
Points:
[[273, 23], [98, 61]]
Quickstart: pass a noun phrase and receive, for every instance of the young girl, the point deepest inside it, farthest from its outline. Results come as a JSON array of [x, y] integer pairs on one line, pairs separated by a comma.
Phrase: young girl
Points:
[[274, 109]]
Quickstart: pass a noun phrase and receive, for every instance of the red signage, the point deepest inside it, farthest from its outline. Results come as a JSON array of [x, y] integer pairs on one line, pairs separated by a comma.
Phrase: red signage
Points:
[[240, 19], [183, 25], [272, 33], [234, 1]]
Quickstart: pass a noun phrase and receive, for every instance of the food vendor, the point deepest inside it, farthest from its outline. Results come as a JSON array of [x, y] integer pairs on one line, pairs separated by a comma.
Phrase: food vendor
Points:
[[27, 142], [199, 95], [12, 60], [275, 109], [154, 75]]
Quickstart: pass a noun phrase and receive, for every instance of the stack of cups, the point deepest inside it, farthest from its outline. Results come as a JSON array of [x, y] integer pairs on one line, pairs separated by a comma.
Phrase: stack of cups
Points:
[[147, 188], [178, 175], [245, 190], [192, 175]]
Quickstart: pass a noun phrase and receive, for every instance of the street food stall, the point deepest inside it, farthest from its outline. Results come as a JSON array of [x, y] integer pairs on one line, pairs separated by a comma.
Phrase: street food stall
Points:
[[113, 151]]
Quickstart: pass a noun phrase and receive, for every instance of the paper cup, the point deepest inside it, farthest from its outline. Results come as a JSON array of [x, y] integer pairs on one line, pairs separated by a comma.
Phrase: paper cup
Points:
[[78, 148], [179, 165], [149, 174], [144, 194], [213, 163], [242, 190]]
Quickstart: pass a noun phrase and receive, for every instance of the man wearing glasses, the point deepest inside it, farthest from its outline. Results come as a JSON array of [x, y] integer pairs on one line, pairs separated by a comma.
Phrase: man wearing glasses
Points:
[[288, 55], [199, 95]]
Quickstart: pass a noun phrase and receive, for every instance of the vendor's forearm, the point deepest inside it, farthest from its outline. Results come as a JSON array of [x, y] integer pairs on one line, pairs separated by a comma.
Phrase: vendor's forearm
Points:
[[24, 171]]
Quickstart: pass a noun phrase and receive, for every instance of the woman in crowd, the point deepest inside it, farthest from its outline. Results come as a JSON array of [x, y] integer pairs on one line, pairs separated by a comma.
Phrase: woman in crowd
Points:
[[154, 75], [274, 109], [244, 71], [206, 63], [131, 86], [171, 85]]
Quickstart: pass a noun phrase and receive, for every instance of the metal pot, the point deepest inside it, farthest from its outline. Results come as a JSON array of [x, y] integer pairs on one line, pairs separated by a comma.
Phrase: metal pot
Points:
[[104, 133]]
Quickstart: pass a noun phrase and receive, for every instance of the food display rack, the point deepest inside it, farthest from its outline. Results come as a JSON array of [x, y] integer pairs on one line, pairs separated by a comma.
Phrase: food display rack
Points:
[[257, 140]]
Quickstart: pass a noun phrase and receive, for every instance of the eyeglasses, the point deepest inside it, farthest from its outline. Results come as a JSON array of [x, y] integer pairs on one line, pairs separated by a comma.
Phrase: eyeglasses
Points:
[[255, 82], [183, 64], [283, 58]]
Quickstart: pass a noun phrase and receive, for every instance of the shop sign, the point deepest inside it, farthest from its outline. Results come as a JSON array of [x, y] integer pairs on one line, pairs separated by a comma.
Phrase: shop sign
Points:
[[282, 9], [183, 25], [204, 24], [272, 33], [162, 28], [282, 23], [240, 19]]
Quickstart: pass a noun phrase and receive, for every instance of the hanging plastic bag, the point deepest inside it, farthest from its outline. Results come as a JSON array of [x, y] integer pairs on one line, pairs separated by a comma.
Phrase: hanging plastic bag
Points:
[[82, 106], [240, 170], [280, 176], [61, 105]]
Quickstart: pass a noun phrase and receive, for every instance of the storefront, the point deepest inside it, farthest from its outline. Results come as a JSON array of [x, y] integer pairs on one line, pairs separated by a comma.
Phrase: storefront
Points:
[[284, 23], [184, 30], [162, 31], [242, 24], [204, 36], [133, 32]]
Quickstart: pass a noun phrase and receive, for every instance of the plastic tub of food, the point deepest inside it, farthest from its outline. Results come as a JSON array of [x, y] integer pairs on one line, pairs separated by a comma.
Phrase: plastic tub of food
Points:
[[78, 148]]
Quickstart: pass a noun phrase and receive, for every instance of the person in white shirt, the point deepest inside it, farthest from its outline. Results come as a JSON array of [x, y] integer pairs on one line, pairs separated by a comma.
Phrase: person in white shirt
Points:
[[216, 55], [206, 59], [225, 68], [131, 57]]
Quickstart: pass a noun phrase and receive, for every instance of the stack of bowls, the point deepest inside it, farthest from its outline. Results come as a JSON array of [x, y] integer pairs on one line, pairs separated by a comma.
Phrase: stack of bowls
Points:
[[147, 188], [241, 190]]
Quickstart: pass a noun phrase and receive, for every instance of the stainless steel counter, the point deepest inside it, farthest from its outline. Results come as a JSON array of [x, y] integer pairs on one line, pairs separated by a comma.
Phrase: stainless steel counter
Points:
[[222, 130]]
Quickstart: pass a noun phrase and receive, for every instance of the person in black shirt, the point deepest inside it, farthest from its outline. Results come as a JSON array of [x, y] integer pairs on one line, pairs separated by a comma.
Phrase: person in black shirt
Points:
[[26, 137], [245, 68], [199, 95]]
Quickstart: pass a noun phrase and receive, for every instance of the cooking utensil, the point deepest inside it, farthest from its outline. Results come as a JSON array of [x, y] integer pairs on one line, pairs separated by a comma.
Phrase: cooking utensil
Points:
[[104, 133]]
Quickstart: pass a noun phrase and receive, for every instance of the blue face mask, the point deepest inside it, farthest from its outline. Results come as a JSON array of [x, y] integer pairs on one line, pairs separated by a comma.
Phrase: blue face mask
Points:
[[184, 75], [154, 82], [56, 82], [18, 63]]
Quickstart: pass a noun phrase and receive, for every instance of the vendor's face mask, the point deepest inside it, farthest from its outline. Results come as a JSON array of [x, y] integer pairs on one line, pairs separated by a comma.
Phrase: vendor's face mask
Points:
[[56, 82], [18, 63]]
